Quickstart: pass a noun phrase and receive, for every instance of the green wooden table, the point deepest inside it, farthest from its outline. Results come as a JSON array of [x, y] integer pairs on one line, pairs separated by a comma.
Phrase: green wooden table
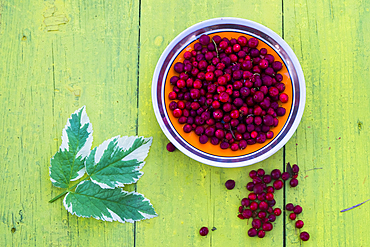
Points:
[[57, 56]]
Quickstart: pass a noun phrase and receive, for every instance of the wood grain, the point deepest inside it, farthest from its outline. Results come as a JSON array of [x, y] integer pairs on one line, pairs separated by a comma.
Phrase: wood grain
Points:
[[331, 143], [56, 57]]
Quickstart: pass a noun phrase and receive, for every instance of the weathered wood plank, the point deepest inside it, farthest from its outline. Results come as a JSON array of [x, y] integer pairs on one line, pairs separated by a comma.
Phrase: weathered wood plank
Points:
[[57, 56], [331, 144], [186, 194]]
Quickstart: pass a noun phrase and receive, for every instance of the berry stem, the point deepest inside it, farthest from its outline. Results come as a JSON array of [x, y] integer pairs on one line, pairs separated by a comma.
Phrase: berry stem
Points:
[[215, 46]]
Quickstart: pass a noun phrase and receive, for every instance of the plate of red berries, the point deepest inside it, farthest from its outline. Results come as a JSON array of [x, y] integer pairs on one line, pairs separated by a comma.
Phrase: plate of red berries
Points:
[[228, 92]]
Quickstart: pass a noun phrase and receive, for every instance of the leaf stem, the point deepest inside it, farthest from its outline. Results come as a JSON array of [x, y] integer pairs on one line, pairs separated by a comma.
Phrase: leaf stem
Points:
[[59, 196], [66, 191]]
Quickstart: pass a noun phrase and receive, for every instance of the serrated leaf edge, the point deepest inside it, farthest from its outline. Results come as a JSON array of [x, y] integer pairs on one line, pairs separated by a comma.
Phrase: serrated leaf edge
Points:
[[120, 140], [85, 151], [114, 216]]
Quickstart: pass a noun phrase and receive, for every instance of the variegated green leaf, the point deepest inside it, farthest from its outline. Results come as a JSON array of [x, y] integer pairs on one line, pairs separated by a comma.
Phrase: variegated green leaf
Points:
[[118, 161], [90, 200], [68, 163]]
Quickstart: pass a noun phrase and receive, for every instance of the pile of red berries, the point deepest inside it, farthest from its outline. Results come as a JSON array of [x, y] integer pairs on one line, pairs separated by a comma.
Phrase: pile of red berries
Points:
[[260, 202], [229, 92]]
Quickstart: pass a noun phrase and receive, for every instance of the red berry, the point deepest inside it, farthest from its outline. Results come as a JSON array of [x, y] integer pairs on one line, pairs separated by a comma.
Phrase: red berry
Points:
[[295, 168], [241, 208], [297, 209], [253, 206], [269, 196], [177, 113], [293, 182], [252, 174], [252, 196], [285, 176], [262, 214], [275, 174], [263, 205], [247, 213], [271, 217], [170, 147], [283, 97], [230, 184], [256, 224], [267, 227], [292, 216], [299, 224], [250, 186], [270, 189], [261, 234], [304, 236], [278, 184], [277, 211], [260, 172], [245, 202], [203, 231], [289, 207], [267, 179], [252, 232]]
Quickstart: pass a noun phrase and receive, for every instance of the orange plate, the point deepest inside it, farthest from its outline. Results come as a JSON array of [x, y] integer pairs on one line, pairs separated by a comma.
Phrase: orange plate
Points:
[[193, 139]]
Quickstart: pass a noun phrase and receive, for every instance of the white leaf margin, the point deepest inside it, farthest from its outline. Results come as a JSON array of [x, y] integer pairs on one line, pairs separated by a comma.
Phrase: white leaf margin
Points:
[[124, 142], [113, 216], [85, 150]]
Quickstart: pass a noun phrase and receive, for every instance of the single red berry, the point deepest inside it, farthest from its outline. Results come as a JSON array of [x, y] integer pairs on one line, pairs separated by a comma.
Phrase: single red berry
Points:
[[271, 203], [263, 205], [250, 186], [297, 209], [269, 196], [270, 189], [267, 227], [252, 232], [267, 179], [256, 224], [177, 113], [245, 202], [241, 208], [260, 172], [304, 236], [253, 206], [257, 180], [247, 213], [285, 176], [289, 207], [230, 184], [203, 231], [270, 210], [278, 184], [299, 224], [261, 234], [258, 189], [275, 174], [170, 147], [262, 214], [252, 196], [277, 211], [283, 97], [262, 196], [271, 217], [293, 182], [292, 216], [252, 174], [295, 168], [295, 175]]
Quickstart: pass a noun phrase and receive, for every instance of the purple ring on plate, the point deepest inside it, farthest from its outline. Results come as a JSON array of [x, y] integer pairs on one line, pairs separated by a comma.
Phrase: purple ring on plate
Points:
[[244, 27]]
